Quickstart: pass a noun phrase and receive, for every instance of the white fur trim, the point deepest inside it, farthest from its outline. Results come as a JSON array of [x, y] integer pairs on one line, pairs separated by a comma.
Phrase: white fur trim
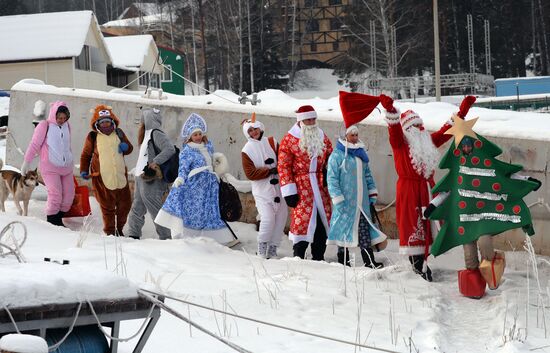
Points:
[[306, 115], [410, 119], [392, 118], [336, 200], [352, 128], [220, 163], [289, 189], [412, 250], [248, 125]]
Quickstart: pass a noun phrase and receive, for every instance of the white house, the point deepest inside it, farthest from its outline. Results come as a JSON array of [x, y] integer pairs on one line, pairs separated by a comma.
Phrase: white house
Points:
[[67, 49], [139, 56]]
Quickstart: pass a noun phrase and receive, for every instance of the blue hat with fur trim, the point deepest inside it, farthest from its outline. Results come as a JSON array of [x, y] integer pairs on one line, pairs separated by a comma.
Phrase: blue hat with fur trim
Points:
[[194, 123]]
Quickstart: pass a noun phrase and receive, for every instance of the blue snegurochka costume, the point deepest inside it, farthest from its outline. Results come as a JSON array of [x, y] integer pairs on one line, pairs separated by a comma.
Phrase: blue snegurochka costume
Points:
[[192, 208]]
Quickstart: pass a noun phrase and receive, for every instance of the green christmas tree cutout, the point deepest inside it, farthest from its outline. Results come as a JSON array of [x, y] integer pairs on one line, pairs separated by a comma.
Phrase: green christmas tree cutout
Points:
[[484, 197]]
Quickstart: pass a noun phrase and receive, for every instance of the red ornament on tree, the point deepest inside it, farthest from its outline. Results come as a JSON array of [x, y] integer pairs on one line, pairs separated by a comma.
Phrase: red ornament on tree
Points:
[[475, 160], [516, 209], [461, 230], [487, 162], [499, 207], [476, 183], [460, 180], [496, 186], [462, 204], [478, 144], [456, 152], [480, 204], [462, 160]]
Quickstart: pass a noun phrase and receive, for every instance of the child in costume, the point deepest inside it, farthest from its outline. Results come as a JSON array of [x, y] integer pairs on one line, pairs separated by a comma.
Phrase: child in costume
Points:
[[102, 159], [480, 197], [353, 193], [52, 139], [155, 148], [259, 159], [192, 207]]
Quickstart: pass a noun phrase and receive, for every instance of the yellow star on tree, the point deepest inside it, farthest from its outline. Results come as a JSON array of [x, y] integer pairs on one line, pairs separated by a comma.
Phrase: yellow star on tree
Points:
[[462, 128]]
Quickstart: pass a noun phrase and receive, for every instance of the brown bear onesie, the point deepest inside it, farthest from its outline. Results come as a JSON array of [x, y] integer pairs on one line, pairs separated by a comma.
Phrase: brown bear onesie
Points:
[[103, 156]]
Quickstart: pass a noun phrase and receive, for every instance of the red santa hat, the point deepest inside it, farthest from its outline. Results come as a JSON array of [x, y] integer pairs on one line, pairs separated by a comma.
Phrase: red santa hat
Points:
[[410, 118], [306, 112], [356, 106]]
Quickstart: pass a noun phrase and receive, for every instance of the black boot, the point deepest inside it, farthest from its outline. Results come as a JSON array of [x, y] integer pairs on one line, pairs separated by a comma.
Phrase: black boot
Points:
[[55, 219], [341, 256], [52, 218], [300, 249], [60, 215], [319, 244], [418, 263], [368, 259]]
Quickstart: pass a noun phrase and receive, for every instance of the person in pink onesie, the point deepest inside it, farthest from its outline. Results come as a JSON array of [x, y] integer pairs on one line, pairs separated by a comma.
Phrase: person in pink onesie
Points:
[[52, 140]]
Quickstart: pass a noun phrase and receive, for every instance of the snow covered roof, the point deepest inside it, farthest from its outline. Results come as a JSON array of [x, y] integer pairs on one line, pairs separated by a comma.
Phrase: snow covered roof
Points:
[[45, 35], [155, 8], [130, 51], [134, 21], [530, 78]]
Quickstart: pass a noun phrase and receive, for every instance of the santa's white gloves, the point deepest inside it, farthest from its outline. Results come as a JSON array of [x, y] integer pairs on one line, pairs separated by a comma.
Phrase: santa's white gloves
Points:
[[178, 182], [24, 168]]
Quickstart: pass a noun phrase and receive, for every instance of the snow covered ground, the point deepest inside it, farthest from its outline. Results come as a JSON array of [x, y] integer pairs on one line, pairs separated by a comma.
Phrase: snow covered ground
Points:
[[390, 308]]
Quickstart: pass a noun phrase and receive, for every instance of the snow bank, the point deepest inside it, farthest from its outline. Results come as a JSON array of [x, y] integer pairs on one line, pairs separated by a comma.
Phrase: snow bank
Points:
[[18, 343], [47, 282], [495, 123]]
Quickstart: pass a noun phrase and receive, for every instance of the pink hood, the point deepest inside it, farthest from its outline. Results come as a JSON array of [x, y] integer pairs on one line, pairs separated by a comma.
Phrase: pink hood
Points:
[[53, 110], [39, 145]]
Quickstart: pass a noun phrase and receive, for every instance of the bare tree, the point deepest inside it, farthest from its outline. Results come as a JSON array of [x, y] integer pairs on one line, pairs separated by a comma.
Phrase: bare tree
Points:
[[388, 19], [250, 54]]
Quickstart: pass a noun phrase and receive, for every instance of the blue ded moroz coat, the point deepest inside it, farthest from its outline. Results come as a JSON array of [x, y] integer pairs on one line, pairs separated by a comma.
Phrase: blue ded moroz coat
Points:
[[352, 189]]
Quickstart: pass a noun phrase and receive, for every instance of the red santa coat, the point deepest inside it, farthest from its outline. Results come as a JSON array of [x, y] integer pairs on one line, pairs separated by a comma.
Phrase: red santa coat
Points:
[[413, 191], [302, 175]]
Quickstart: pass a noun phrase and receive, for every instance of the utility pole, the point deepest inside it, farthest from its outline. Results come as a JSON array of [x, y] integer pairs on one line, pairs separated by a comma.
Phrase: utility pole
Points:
[[471, 54], [487, 48], [203, 43], [436, 53]]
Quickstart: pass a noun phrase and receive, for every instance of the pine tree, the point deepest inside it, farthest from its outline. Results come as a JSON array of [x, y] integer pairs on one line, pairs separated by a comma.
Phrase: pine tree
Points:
[[483, 198]]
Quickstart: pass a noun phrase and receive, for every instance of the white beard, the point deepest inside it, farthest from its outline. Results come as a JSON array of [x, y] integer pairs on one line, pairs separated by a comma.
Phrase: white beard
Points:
[[422, 151], [311, 140]]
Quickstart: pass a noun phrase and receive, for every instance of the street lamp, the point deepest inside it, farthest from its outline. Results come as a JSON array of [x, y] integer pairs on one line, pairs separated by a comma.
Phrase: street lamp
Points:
[[436, 54]]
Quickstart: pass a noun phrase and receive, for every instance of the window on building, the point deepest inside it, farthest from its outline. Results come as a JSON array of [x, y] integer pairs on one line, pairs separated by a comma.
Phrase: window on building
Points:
[[97, 60], [335, 46], [312, 26], [334, 2], [116, 77], [167, 73], [154, 80], [310, 3], [143, 78], [313, 47], [82, 62], [335, 24]]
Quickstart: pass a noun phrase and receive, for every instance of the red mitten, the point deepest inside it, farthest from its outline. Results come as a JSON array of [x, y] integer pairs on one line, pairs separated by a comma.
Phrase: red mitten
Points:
[[387, 103], [465, 106]]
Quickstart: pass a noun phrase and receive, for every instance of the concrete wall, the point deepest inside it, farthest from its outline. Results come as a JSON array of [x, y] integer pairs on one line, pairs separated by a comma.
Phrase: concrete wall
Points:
[[53, 72], [225, 131]]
